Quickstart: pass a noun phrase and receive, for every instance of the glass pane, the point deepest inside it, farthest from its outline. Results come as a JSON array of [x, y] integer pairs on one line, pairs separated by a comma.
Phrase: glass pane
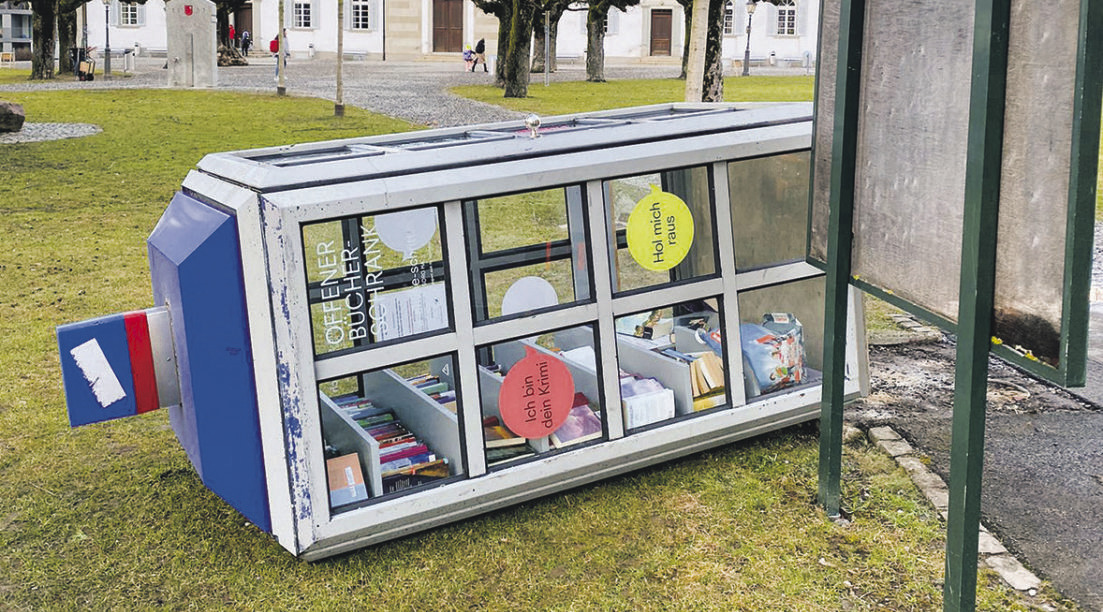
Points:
[[781, 336], [390, 430], [769, 204], [663, 225], [535, 217], [557, 274], [375, 278], [527, 252], [911, 177], [671, 362], [540, 394]]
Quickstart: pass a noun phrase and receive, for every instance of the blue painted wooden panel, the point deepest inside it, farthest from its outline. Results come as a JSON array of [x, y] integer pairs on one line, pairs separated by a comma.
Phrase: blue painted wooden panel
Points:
[[196, 267]]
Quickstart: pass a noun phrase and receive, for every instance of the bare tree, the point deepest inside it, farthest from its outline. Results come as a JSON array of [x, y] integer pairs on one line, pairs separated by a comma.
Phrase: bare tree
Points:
[[544, 50], [515, 21], [712, 87], [502, 10], [687, 16], [43, 22], [596, 18], [713, 74], [516, 59], [67, 32]]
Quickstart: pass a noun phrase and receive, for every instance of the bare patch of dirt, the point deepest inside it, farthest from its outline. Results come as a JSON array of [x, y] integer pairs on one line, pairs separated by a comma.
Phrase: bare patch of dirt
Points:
[[917, 381]]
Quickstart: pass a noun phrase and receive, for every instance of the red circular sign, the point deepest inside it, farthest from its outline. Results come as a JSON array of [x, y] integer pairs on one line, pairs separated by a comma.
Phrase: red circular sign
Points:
[[536, 395]]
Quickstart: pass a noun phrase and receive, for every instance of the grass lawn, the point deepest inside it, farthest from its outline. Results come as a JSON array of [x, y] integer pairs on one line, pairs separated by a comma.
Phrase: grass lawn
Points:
[[113, 516], [12, 75], [580, 96]]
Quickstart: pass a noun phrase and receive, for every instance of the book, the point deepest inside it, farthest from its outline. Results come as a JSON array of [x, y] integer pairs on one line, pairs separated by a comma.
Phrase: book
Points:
[[582, 424], [430, 389], [346, 480], [497, 436], [710, 400], [444, 396], [422, 379], [406, 462], [396, 444], [712, 371], [374, 420], [408, 478], [507, 453], [413, 449], [675, 355], [647, 407]]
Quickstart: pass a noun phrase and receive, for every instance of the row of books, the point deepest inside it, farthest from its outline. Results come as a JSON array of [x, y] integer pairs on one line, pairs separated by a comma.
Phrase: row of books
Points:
[[502, 444], [706, 368], [438, 390], [583, 423], [405, 461]]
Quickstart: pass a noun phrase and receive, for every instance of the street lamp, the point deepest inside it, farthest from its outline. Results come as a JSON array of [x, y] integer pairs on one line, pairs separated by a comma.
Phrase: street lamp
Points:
[[106, 38], [747, 51]]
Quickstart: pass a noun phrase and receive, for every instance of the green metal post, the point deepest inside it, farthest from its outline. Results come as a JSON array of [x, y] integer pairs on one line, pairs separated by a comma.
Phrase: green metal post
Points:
[[1083, 174], [844, 152], [978, 280]]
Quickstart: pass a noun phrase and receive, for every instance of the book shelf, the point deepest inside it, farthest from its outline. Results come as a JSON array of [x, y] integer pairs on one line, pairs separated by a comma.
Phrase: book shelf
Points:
[[489, 310], [427, 419]]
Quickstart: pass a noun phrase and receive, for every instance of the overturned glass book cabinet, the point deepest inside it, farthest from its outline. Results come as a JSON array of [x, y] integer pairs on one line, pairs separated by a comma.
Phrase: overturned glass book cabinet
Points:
[[441, 323]]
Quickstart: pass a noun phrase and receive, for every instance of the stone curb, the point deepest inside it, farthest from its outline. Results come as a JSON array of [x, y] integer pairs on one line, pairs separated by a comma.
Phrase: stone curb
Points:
[[991, 552], [909, 331]]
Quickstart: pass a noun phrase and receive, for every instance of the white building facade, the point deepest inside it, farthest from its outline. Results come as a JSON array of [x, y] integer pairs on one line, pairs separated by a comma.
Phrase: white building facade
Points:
[[651, 32]]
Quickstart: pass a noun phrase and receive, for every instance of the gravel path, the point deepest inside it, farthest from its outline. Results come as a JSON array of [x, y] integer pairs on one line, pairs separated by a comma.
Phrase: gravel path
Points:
[[414, 91]]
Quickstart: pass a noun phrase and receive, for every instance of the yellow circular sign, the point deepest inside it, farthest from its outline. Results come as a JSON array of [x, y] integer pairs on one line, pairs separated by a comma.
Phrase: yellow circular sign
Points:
[[660, 230]]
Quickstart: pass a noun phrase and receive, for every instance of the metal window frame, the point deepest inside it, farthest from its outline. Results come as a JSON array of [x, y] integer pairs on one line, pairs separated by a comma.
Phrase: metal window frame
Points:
[[980, 220]]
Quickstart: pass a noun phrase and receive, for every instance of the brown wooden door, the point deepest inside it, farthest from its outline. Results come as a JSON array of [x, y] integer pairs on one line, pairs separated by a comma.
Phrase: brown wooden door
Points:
[[243, 20], [661, 20], [448, 25]]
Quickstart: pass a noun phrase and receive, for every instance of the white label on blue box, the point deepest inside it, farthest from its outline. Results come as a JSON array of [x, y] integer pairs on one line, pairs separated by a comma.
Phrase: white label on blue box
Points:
[[97, 371]]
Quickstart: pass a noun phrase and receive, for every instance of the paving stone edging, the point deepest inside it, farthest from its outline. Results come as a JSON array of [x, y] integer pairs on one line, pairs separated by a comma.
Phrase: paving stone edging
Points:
[[991, 552]]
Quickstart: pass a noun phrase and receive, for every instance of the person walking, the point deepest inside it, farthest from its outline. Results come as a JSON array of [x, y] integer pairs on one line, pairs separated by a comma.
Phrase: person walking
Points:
[[480, 54], [468, 58], [245, 42], [274, 47]]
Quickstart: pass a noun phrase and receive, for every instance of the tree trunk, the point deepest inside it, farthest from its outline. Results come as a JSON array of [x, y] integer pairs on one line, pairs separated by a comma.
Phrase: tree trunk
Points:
[[712, 86], [687, 15], [517, 60], [504, 24], [544, 50], [539, 43], [42, 36], [595, 43], [698, 40], [66, 39]]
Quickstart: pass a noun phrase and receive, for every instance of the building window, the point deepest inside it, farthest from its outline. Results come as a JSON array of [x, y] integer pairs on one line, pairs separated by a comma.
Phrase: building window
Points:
[[729, 18], [302, 16], [360, 12], [128, 14], [787, 18]]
